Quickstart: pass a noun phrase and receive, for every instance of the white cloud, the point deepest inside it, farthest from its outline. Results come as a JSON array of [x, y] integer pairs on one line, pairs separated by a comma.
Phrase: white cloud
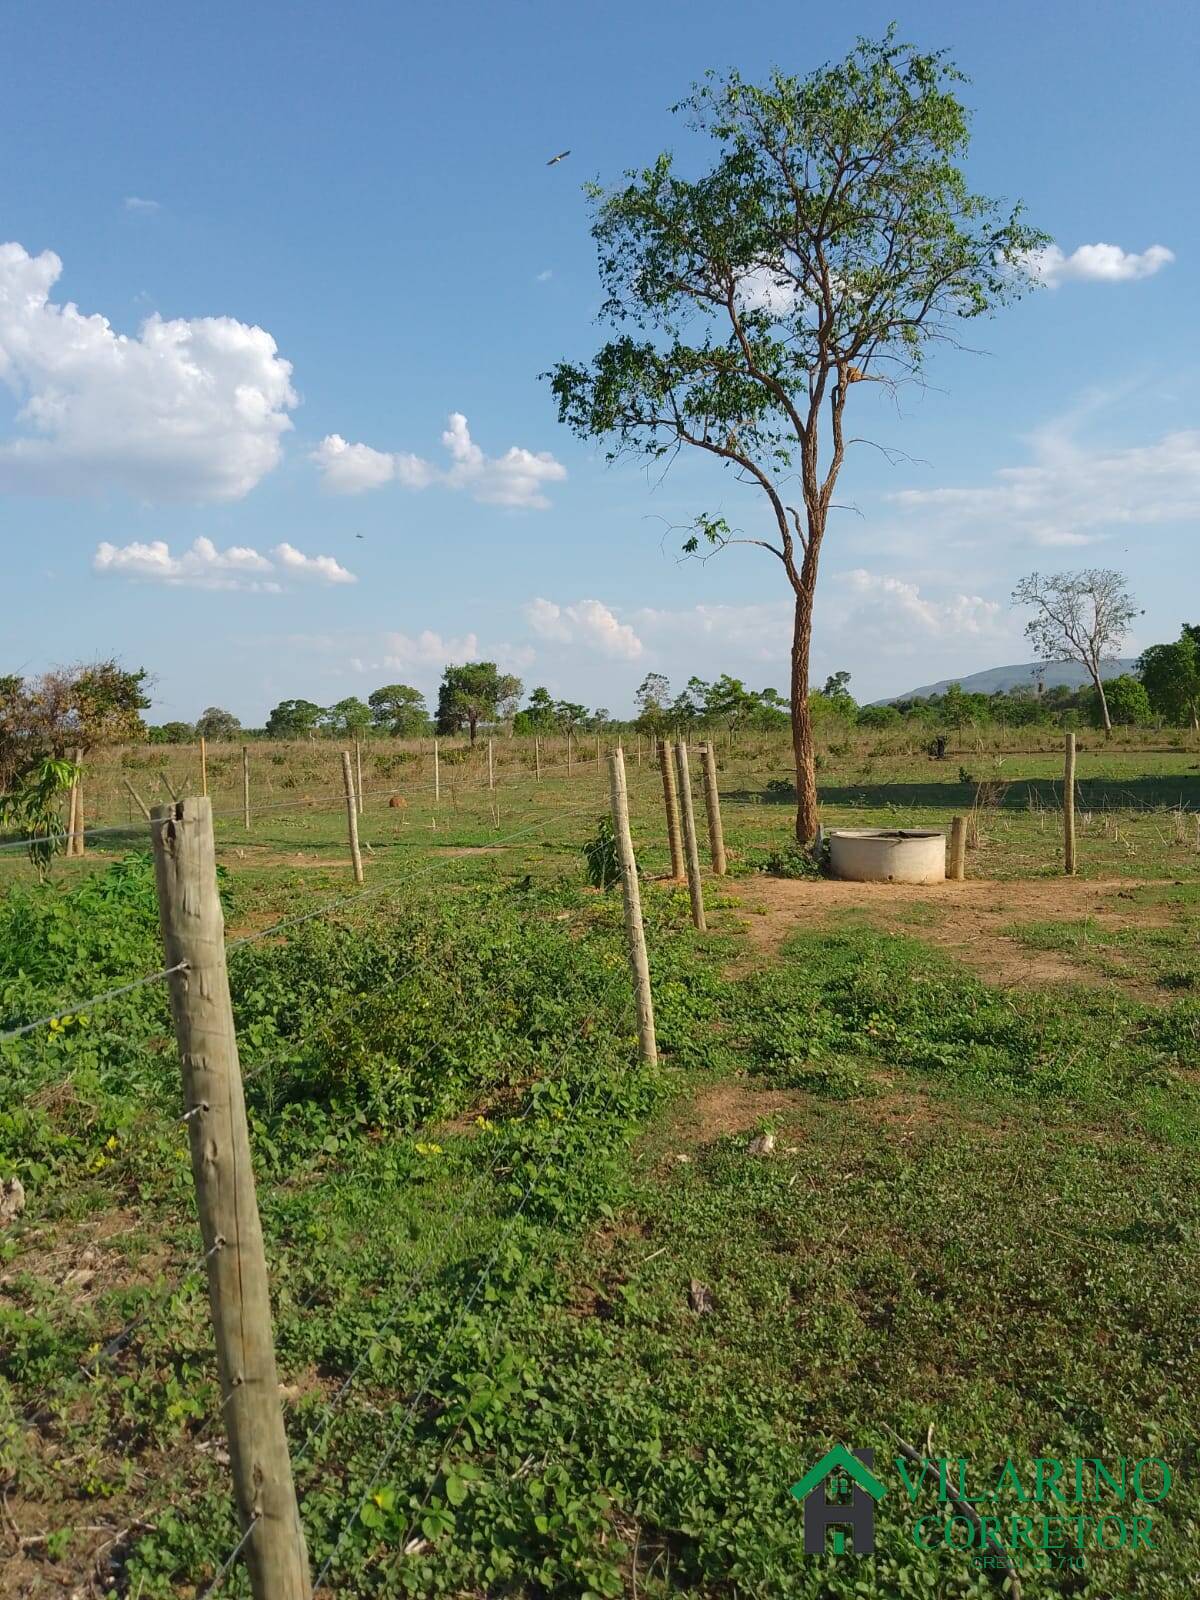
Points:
[[1070, 494], [546, 620], [351, 468], [758, 633], [765, 289], [587, 622], [427, 649], [544, 277], [884, 606], [135, 202], [867, 622], [515, 479], [323, 567], [203, 566], [186, 409], [1094, 263]]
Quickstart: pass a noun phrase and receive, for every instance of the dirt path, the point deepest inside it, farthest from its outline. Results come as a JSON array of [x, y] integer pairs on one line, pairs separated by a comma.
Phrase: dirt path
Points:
[[965, 919]]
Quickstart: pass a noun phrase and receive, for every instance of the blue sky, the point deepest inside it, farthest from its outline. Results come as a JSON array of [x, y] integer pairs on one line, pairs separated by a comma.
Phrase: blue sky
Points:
[[360, 192]]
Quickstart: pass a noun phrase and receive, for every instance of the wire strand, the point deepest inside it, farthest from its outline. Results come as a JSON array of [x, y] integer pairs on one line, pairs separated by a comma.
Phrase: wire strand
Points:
[[248, 1077], [335, 797], [94, 1001], [390, 887]]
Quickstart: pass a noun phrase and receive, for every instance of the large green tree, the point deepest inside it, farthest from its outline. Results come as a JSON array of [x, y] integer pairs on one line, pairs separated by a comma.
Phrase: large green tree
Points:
[[172, 733], [348, 719], [293, 719], [730, 702], [1171, 674], [569, 714], [399, 709], [1126, 703], [832, 239], [81, 706], [538, 714], [216, 723], [41, 719], [473, 693]]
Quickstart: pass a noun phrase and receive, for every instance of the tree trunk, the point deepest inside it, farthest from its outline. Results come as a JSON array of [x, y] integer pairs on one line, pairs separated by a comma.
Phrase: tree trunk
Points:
[[471, 724], [1104, 716], [802, 738]]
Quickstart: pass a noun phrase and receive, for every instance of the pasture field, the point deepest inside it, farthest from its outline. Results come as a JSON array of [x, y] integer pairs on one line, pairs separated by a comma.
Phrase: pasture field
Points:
[[551, 1322]]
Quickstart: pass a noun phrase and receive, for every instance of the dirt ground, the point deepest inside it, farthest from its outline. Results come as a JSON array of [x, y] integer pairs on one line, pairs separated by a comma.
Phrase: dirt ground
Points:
[[965, 919]]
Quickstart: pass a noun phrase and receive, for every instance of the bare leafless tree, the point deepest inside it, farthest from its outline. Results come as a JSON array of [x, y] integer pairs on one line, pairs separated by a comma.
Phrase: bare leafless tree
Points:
[[1079, 616]]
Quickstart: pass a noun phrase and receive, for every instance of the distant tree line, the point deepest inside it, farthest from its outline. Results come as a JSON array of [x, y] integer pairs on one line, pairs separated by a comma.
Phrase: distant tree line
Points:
[[1163, 691], [101, 703]]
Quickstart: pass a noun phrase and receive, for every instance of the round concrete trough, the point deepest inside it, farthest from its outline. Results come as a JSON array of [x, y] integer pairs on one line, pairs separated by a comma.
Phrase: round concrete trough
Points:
[[888, 855]]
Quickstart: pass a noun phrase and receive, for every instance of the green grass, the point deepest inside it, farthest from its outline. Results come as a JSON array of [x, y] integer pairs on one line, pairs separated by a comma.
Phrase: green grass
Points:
[[980, 1216], [1163, 956]]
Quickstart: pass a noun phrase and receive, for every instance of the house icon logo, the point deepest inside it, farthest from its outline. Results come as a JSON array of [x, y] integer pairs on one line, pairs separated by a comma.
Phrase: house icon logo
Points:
[[823, 1491]]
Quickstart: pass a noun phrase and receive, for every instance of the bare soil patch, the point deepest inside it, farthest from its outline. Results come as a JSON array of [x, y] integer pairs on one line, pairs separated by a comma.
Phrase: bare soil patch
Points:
[[733, 1105], [736, 1105], [965, 919], [256, 856], [470, 850]]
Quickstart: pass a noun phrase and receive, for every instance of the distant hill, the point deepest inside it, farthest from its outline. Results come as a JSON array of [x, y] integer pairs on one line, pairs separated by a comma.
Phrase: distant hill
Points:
[[1054, 674]]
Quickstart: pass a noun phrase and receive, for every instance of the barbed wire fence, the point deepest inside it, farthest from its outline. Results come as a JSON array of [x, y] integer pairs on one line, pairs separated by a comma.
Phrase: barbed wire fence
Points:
[[272, 1542], [427, 795], [357, 901]]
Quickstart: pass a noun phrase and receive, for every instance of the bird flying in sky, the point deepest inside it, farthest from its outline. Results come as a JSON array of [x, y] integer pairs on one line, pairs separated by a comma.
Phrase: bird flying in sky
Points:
[[561, 156]]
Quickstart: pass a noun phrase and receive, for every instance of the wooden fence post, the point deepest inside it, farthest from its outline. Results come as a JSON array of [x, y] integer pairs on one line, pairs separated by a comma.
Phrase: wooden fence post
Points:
[[635, 932], [352, 816], [666, 763], [958, 849], [491, 769], [203, 765], [437, 775], [712, 805], [76, 843], [597, 750], [695, 888], [358, 772], [639, 749], [537, 757], [1069, 805], [193, 934], [568, 752], [141, 804], [246, 787]]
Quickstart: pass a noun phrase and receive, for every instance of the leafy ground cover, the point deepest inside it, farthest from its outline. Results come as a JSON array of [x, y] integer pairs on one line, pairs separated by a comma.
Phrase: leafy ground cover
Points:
[[552, 1324]]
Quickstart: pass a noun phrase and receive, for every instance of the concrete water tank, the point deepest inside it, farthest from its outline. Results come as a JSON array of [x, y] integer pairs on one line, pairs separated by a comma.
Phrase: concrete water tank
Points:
[[888, 855]]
